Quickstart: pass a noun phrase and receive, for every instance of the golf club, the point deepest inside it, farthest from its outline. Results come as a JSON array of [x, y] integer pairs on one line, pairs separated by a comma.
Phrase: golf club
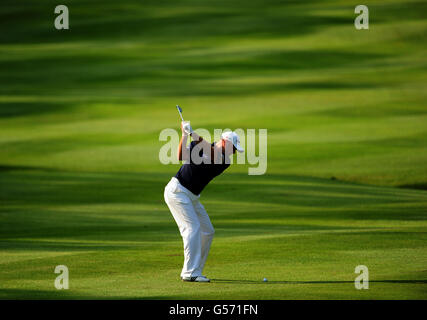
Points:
[[180, 111]]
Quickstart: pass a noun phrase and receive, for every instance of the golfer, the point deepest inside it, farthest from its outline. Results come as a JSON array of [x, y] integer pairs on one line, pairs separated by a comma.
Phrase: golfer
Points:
[[202, 162]]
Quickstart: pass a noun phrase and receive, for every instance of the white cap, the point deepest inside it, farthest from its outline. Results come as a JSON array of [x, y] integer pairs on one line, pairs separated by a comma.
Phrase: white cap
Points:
[[233, 138]]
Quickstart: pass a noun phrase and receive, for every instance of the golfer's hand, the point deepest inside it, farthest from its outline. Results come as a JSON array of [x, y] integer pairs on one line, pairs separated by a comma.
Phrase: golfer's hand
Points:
[[186, 128]]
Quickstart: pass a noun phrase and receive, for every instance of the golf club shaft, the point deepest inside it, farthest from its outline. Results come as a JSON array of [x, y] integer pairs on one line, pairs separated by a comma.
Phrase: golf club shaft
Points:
[[179, 110]]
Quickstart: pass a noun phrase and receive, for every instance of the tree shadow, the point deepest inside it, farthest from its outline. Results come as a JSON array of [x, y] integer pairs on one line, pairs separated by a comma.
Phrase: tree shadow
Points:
[[33, 294], [15, 109], [418, 186], [314, 282]]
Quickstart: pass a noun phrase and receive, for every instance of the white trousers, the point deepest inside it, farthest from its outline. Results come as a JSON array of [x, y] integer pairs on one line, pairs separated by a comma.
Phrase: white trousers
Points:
[[194, 225]]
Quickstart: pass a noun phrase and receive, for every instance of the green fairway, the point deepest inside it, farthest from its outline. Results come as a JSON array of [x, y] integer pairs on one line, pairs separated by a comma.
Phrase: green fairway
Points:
[[81, 183]]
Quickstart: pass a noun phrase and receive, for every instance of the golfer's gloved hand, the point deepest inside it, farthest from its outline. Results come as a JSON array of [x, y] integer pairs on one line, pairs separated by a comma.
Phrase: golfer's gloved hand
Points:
[[186, 128]]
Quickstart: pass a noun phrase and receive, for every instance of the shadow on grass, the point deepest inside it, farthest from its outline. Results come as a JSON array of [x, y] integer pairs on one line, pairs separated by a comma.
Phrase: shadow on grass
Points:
[[26, 294], [168, 21], [46, 203], [14, 109], [314, 282], [7, 168], [418, 186]]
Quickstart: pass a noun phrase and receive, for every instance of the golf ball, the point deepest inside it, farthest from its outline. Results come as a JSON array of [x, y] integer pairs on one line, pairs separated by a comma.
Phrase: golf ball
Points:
[[265, 280]]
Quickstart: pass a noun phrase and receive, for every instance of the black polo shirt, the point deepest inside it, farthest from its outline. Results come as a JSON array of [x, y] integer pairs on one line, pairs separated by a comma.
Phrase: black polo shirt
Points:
[[195, 177]]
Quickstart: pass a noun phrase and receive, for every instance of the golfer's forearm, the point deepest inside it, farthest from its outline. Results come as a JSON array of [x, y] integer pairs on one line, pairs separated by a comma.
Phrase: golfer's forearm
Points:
[[182, 142]]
